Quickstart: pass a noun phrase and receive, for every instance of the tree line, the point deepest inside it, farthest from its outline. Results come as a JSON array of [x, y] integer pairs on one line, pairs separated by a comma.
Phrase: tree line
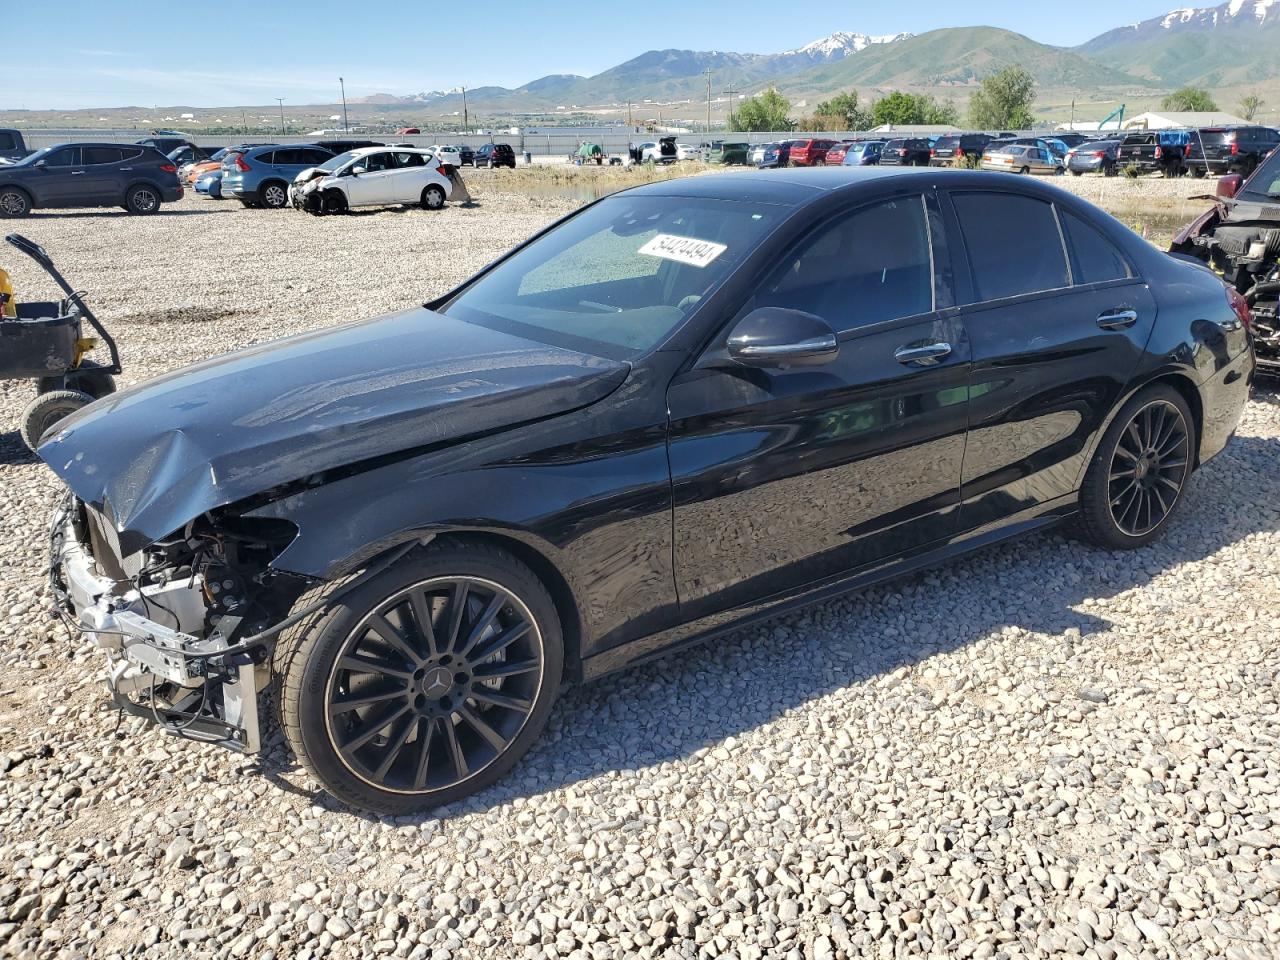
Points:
[[1003, 101]]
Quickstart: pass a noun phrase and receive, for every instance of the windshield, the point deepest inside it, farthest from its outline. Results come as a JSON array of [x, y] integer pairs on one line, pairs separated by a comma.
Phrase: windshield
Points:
[[333, 163], [1265, 182], [618, 277]]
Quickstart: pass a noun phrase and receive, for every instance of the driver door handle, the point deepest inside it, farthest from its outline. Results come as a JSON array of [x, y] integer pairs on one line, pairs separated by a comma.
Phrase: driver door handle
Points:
[[1117, 319], [923, 354]]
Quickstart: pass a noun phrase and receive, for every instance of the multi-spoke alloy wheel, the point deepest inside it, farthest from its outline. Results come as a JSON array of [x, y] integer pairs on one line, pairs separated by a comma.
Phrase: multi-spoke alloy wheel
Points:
[[431, 688], [425, 683], [1138, 473], [1149, 467]]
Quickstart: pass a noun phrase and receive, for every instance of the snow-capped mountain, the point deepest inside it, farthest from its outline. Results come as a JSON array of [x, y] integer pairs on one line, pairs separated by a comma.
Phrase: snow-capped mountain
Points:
[[840, 44], [1234, 16]]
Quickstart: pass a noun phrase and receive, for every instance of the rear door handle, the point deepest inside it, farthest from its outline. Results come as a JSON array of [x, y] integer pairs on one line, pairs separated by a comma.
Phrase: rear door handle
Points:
[[77, 173], [923, 355], [1117, 319]]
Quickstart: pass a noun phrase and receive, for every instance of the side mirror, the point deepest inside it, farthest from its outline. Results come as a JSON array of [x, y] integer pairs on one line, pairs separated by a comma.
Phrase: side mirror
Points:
[[778, 337], [41, 164], [1229, 185], [356, 171]]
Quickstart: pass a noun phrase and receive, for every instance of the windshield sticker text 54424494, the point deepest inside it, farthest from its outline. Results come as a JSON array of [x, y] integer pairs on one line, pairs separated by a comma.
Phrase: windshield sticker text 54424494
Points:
[[690, 250]]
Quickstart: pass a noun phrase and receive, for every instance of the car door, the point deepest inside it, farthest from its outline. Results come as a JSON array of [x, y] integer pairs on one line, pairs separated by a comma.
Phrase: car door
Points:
[[101, 183], [1058, 320], [409, 176], [784, 477], [60, 174]]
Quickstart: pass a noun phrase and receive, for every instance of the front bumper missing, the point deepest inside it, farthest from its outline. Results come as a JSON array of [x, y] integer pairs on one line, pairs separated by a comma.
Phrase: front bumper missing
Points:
[[163, 672]]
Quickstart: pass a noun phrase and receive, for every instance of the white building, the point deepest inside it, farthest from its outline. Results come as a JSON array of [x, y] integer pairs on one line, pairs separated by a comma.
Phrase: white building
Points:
[[1167, 120]]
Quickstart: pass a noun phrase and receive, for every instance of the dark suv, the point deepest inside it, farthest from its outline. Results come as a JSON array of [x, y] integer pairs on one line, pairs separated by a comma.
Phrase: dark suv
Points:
[[132, 176], [948, 149], [913, 152], [495, 155], [1230, 149]]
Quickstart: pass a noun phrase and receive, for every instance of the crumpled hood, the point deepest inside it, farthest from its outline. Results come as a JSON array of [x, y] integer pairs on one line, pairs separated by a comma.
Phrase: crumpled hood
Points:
[[160, 454]]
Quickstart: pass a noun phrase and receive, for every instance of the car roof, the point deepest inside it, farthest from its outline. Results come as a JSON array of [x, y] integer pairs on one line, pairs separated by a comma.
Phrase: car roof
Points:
[[798, 186]]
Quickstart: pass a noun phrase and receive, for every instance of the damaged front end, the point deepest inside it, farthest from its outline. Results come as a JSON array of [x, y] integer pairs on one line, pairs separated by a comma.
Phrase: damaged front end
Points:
[[307, 192], [186, 623], [1244, 251]]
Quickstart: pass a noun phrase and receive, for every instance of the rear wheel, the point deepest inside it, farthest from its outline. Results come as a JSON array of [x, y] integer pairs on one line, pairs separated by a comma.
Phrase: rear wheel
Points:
[[1075, 173], [432, 197], [424, 684], [1137, 476], [46, 410], [1024, 171], [142, 199], [14, 203], [273, 194]]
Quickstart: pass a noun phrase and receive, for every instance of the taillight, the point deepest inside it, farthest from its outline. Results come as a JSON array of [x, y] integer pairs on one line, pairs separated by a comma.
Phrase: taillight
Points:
[[1235, 149], [959, 151], [168, 168], [902, 153], [440, 170], [1100, 154], [241, 165], [1187, 152], [933, 152], [1241, 307], [1159, 152]]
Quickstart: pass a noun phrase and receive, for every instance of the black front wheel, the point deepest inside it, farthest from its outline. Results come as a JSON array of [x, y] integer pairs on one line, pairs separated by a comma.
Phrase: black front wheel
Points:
[[1139, 472], [14, 203], [424, 684]]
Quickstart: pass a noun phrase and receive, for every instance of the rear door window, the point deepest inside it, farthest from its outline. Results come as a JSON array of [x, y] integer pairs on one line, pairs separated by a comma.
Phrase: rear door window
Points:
[[101, 155], [8, 141], [1094, 258], [405, 160], [1013, 244], [871, 265]]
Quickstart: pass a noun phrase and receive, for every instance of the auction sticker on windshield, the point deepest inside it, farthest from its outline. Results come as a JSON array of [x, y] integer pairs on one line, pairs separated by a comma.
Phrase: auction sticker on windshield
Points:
[[690, 250]]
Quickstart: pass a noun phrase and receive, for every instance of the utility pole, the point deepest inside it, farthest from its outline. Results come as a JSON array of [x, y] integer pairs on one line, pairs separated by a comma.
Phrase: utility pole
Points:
[[1073, 113], [708, 103], [629, 124], [244, 122], [280, 100], [729, 112], [343, 85], [466, 123]]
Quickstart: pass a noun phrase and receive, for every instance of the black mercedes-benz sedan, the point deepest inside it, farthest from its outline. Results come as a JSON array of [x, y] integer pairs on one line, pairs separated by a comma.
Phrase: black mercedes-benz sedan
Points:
[[684, 407]]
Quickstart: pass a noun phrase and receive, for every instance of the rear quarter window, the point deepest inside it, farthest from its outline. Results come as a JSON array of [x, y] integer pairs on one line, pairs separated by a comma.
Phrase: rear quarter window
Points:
[[1094, 258], [8, 141]]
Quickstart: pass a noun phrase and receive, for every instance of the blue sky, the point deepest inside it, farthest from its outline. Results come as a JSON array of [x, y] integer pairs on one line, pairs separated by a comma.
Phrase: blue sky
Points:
[[141, 52]]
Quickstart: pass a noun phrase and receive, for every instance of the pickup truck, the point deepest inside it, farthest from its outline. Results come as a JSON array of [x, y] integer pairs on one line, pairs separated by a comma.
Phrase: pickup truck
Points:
[[1152, 150], [1217, 150], [12, 146]]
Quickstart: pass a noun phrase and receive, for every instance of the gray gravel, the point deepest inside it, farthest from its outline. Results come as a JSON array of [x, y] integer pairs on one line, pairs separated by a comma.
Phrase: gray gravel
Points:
[[1043, 750]]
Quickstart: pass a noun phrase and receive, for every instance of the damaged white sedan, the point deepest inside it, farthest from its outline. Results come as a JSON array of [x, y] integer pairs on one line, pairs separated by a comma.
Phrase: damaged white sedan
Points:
[[375, 177]]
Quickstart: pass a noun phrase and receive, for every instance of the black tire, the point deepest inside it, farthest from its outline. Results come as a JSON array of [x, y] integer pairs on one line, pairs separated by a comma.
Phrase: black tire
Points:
[[437, 714], [432, 197], [142, 199], [274, 194], [334, 201], [1198, 173], [1109, 170], [1076, 173], [14, 203], [46, 410], [1024, 171], [1119, 481]]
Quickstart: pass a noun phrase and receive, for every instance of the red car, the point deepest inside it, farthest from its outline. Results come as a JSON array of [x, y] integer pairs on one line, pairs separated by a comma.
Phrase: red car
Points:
[[810, 153], [835, 156]]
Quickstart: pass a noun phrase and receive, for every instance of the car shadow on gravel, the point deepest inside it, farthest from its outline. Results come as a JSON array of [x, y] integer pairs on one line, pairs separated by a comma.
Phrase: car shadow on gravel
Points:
[[690, 700], [160, 214], [13, 452]]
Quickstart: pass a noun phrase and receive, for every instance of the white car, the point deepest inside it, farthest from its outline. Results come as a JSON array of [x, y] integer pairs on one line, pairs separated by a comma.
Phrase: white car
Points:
[[685, 151], [371, 177], [757, 153], [447, 154]]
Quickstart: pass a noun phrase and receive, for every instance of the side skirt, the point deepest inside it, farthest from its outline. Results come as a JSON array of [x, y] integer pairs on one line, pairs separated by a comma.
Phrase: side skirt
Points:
[[1021, 524]]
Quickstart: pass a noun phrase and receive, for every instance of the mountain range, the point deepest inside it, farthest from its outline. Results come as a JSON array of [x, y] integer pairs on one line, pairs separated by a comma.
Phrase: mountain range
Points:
[[1230, 45]]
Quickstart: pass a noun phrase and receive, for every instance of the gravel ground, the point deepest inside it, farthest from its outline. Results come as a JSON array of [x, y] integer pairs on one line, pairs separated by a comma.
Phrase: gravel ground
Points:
[[1042, 750]]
